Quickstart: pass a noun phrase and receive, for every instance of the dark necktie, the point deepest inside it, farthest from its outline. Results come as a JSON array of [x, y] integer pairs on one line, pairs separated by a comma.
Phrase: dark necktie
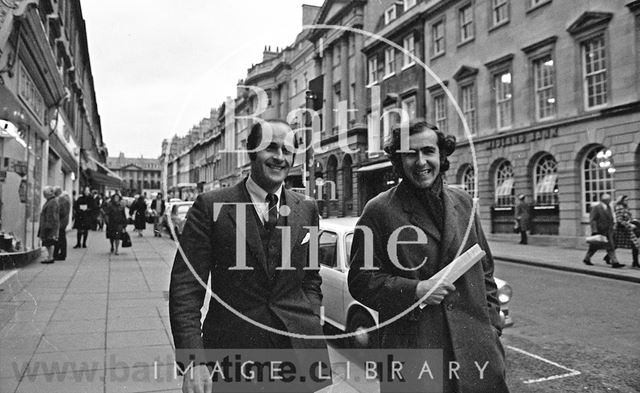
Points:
[[272, 199]]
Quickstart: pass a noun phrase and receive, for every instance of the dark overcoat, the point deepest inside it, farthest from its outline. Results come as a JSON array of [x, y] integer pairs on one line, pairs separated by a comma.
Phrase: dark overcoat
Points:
[[82, 212], [49, 221], [523, 215], [466, 325], [139, 210], [285, 299]]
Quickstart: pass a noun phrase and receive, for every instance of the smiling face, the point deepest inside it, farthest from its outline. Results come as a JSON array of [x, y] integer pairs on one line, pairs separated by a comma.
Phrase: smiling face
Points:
[[271, 166], [422, 165]]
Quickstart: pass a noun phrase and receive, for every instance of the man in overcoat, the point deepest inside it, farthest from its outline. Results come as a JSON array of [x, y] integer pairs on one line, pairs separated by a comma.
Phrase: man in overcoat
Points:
[[602, 223], [252, 277], [64, 205], [462, 320]]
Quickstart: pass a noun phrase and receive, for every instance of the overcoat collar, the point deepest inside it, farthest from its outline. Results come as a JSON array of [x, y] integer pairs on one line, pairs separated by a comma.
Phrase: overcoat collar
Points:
[[454, 223]]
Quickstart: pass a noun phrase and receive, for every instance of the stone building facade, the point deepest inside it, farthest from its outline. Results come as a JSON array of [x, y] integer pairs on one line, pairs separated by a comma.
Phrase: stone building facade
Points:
[[547, 93]]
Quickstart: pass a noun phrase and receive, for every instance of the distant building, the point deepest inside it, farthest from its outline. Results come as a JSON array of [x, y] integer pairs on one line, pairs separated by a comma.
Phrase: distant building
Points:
[[139, 175]]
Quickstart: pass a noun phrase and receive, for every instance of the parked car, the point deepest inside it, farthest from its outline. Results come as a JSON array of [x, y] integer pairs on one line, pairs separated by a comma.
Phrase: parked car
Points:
[[166, 217], [178, 216], [341, 310]]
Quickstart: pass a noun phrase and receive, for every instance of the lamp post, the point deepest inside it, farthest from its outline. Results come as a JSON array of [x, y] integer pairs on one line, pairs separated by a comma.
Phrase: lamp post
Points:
[[309, 168]]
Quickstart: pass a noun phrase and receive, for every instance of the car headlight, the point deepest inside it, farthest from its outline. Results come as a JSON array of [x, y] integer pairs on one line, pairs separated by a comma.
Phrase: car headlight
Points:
[[504, 294]]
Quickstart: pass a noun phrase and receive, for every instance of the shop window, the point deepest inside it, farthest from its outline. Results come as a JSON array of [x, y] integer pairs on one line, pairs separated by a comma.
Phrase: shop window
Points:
[[504, 190], [546, 181], [468, 179], [597, 176]]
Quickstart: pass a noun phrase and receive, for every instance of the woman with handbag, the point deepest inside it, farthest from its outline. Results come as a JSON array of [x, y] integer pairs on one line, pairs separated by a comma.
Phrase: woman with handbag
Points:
[[625, 235], [116, 220]]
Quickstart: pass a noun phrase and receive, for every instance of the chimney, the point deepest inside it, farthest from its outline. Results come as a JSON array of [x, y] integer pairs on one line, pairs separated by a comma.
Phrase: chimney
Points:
[[309, 13]]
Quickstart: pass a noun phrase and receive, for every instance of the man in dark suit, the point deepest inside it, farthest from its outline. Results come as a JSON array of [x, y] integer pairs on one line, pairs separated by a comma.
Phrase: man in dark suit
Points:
[[436, 223], [64, 209], [236, 235], [602, 223]]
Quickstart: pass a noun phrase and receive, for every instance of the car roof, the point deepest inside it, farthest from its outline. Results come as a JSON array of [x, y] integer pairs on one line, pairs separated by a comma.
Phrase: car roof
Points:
[[342, 224]]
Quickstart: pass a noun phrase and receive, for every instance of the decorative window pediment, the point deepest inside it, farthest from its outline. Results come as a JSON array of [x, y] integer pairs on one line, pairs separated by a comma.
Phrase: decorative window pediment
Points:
[[589, 20], [465, 72]]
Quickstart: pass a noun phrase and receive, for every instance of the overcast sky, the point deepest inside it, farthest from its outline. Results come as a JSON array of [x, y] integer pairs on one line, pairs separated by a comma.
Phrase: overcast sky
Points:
[[159, 66]]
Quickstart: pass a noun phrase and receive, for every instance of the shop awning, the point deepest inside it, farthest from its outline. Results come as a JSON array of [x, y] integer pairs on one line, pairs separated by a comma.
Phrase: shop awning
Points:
[[104, 179], [375, 167]]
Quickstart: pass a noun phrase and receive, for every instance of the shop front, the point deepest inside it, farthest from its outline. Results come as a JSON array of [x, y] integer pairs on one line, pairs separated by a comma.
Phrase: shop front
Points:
[[22, 148], [562, 171]]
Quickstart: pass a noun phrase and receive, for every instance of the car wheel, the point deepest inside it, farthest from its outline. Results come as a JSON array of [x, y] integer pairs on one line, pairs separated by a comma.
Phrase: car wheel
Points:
[[360, 320]]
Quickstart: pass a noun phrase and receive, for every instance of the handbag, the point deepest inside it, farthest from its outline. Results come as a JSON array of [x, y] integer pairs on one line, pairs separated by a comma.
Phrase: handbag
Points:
[[126, 239], [599, 240]]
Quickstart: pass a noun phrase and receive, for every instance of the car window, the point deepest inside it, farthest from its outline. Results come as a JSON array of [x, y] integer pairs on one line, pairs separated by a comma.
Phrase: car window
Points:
[[183, 209], [327, 249], [348, 240]]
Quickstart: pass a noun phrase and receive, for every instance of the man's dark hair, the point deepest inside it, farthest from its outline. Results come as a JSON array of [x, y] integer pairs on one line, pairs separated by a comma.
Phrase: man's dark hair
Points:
[[446, 144], [255, 136]]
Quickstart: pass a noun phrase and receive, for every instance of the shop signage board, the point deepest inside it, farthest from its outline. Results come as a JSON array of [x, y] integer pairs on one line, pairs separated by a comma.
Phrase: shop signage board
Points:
[[532, 136]]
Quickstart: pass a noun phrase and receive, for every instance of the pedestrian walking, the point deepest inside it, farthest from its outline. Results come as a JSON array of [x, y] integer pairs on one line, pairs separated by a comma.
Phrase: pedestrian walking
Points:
[[64, 207], [82, 211], [523, 217], [138, 211], [157, 209], [601, 220], [49, 223], [626, 234], [461, 321], [116, 220]]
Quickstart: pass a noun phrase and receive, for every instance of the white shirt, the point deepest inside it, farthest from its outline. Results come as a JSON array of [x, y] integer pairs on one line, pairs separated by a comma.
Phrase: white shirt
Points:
[[259, 198]]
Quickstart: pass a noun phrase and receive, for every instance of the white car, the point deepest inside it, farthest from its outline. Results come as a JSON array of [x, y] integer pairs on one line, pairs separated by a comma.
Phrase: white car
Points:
[[341, 310]]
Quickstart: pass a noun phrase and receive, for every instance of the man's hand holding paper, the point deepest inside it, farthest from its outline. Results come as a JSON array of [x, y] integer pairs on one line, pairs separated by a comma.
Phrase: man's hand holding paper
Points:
[[440, 284], [438, 291]]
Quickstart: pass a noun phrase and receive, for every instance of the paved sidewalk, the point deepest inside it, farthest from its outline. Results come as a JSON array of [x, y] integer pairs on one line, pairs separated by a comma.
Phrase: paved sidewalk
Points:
[[566, 259], [93, 323]]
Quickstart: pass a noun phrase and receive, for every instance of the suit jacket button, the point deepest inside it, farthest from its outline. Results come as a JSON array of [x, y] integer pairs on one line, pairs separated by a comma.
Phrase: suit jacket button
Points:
[[450, 307]]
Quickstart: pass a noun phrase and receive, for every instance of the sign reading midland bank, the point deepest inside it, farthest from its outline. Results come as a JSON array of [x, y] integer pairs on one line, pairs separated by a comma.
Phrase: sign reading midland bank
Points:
[[510, 140]]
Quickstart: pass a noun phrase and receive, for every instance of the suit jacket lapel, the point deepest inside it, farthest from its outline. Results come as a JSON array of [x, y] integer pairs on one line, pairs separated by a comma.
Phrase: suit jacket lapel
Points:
[[252, 236], [294, 220]]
